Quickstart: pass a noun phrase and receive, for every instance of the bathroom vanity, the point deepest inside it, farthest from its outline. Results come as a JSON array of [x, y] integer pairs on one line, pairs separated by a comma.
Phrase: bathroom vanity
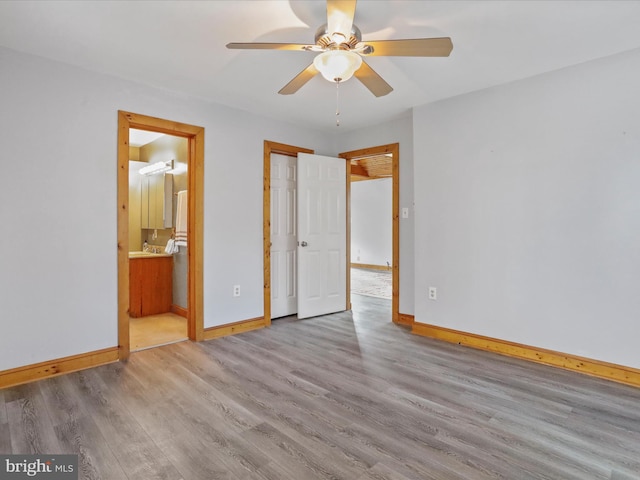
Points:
[[150, 283]]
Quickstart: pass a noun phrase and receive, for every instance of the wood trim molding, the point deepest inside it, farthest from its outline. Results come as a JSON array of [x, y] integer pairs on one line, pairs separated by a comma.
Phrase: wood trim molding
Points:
[[348, 305], [406, 319], [195, 235], [53, 368], [282, 149], [394, 150], [178, 310], [123, 236], [596, 368], [371, 266], [195, 170], [234, 328]]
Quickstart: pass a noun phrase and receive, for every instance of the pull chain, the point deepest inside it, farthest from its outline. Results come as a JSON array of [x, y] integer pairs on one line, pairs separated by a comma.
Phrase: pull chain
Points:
[[337, 102]]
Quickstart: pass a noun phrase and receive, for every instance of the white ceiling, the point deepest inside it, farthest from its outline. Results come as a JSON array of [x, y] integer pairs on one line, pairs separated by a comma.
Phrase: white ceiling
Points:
[[180, 45], [138, 138]]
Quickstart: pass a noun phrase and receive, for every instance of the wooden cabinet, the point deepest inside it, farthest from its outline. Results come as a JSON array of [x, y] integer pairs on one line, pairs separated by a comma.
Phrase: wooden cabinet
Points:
[[150, 285], [156, 206]]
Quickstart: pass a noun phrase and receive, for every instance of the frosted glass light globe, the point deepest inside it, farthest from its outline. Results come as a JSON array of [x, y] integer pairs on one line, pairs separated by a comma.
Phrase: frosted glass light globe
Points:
[[337, 65]]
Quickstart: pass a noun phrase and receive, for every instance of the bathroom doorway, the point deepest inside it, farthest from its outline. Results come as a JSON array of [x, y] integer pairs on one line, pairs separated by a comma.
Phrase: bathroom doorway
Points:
[[159, 232], [158, 267]]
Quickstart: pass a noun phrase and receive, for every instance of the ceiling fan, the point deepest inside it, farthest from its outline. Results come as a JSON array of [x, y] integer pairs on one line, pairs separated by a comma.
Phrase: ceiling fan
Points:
[[341, 51]]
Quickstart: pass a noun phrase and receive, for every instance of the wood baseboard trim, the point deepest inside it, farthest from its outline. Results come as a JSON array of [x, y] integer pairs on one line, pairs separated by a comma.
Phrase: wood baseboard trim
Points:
[[183, 312], [588, 366], [406, 319], [371, 267], [53, 368], [234, 328]]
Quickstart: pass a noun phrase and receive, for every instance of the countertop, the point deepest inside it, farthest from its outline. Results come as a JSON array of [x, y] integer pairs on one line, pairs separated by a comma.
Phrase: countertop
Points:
[[147, 255]]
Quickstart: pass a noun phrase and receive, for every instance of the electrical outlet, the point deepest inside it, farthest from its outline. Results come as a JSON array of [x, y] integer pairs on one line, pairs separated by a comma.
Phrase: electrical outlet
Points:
[[433, 293], [236, 290]]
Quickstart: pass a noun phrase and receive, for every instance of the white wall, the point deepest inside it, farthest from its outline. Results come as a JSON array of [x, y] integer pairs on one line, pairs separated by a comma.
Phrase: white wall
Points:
[[528, 211], [371, 222], [58, 135], [399, 130]]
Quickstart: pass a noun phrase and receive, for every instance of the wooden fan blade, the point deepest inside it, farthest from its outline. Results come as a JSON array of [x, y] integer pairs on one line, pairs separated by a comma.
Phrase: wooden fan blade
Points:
[[340, 15], [269, 46], [374, 82], [299, 80], [418, 47]]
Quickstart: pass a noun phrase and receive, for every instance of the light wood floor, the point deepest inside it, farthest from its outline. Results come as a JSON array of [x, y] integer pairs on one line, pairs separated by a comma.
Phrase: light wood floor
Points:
[[345, 396], [155, 330], [372, 283]]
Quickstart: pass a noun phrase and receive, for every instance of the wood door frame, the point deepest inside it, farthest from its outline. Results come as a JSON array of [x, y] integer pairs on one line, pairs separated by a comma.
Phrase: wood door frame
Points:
[[394, 150], [195, 186]]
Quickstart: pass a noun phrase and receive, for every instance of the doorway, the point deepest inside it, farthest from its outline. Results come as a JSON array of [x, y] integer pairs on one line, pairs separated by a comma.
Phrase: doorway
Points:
[[158, 270], [393, 151], [194, 185], [371, 227], [377, 163]]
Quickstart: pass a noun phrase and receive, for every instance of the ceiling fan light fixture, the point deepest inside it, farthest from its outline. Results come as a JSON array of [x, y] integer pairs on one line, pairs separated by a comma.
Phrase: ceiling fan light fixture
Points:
[[340, 40], [337, 65]]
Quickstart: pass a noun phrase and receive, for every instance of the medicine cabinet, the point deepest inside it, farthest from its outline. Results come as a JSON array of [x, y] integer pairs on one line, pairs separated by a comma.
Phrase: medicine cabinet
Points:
[[156, 209]]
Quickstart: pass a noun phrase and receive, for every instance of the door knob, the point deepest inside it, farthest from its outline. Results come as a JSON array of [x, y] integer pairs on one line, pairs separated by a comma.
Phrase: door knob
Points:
[[304, 244]]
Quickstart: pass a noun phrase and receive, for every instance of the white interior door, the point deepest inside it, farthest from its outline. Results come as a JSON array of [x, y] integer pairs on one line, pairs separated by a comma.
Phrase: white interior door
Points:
[[284, 250], [322, 235]]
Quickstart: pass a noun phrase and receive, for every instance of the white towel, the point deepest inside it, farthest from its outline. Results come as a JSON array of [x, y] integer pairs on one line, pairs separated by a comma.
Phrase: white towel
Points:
[[171, 247], [181, 220]]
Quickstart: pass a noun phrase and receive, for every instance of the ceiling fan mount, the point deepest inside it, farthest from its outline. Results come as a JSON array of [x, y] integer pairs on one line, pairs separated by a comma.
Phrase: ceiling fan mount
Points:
[[339, 43], [326, 40]]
